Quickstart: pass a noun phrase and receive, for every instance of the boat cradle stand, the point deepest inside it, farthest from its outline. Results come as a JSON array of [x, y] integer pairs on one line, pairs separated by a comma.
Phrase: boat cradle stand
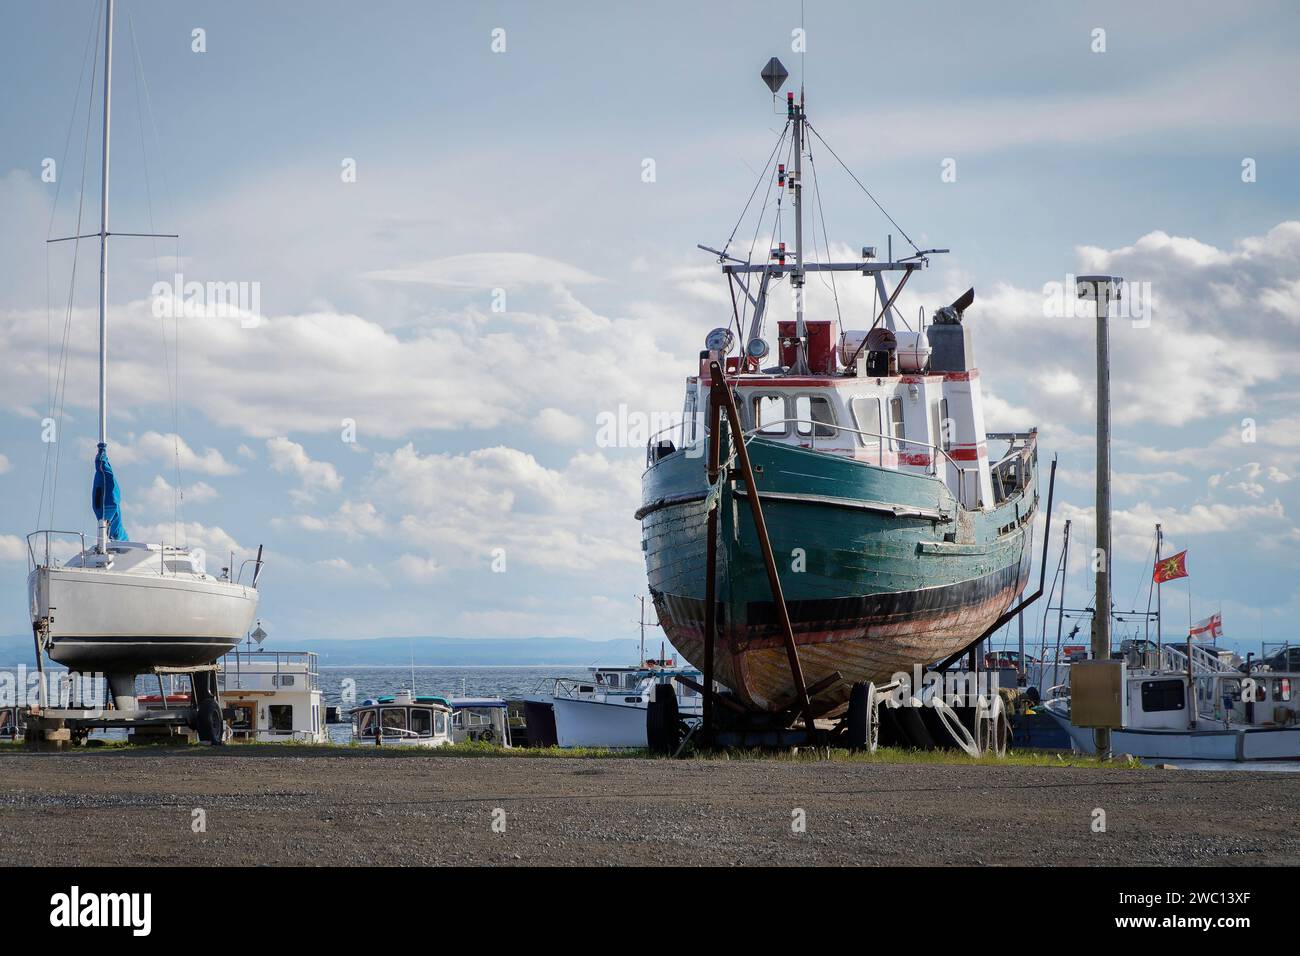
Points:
[[59, 728]]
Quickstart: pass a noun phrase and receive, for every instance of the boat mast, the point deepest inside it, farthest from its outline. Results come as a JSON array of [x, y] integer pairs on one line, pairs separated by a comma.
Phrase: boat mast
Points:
[[102, 540], [1159, 640], [797, 277]]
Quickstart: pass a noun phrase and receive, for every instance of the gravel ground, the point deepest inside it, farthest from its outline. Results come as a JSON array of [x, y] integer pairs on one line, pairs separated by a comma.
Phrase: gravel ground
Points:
[[264, 805]]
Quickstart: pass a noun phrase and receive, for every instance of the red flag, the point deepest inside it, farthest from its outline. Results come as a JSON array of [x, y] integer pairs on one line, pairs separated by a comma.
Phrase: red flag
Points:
[[1167, 569]]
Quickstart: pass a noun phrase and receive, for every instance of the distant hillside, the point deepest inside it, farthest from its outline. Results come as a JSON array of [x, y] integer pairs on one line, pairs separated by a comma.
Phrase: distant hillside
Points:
[[444, 651]]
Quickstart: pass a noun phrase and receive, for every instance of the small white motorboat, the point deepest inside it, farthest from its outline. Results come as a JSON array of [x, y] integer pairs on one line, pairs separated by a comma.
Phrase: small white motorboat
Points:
[[403, 720], [480, 720], [609, 709]]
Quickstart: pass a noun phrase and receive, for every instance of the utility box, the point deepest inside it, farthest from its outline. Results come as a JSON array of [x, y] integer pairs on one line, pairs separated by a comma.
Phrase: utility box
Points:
[[1097, 693], [821, 350]]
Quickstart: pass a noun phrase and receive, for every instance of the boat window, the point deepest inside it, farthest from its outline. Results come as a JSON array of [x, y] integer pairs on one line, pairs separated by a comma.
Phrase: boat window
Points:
[[769, 414], [280, 716], [811, 409], [422, 721], [394, 718], [866, 412], [1159, 695], [365, 723], [944, 440], [688, 417], [896, 422], [439, 724], [1282, 689]]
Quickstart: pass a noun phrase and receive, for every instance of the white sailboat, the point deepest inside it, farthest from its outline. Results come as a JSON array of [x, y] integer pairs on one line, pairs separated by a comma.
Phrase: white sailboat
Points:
[[123, 607]]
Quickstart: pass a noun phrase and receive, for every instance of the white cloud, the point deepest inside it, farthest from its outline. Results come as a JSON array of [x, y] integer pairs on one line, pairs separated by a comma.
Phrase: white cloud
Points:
[[159, 498], [488, 271], [561, 426], [418, 568], [4, 464], [211, 538], [313, 476], [458, 509], [168, 448], [12, 548]]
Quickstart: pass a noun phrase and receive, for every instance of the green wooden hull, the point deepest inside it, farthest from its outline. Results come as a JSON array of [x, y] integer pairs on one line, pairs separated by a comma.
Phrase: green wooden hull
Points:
[[881, 569]]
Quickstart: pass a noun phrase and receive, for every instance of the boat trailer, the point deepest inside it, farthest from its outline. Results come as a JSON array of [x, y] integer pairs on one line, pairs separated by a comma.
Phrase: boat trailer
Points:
[[919, 717], [57, 728]]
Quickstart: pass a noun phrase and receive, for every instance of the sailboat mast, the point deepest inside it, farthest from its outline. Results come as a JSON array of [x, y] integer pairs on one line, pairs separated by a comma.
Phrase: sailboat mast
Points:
[[103, 253]]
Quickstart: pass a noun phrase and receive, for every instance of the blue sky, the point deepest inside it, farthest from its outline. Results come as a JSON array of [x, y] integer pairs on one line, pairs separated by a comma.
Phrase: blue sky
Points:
[[521, 171]]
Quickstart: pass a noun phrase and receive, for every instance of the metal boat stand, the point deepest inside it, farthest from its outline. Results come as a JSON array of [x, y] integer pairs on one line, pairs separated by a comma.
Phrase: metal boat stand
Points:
[[58, 728]]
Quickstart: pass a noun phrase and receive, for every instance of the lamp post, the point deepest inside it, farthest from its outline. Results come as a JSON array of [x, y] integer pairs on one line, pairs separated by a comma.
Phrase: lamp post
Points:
[[1102, 290]]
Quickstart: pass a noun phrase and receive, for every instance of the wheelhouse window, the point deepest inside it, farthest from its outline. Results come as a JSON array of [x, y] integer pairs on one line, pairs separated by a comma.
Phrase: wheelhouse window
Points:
[[422, 721], [1162, 695], [439, 724], [814, 412], [394, 719], [366, 723], [768, 414], [866, 413]]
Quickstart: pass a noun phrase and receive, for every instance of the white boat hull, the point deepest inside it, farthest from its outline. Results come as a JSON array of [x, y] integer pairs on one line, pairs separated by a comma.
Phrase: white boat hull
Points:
[[595, 723], [106, 621], [1205, 743]]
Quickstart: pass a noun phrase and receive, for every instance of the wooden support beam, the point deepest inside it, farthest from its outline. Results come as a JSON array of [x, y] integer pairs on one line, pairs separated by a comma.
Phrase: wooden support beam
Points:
[[722, 391]]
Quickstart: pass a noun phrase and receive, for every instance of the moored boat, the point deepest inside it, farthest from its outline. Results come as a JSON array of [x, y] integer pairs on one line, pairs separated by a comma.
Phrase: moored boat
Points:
[[1209, 710], [403, 720], [610, 708]]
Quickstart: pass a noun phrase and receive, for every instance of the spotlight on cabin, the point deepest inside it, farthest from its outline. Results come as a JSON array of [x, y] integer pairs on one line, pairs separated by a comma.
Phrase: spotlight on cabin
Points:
[[757, 349], [720, 340]]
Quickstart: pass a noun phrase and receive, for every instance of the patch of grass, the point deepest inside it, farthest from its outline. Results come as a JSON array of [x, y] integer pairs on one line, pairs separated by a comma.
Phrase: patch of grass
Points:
[[901, 755]]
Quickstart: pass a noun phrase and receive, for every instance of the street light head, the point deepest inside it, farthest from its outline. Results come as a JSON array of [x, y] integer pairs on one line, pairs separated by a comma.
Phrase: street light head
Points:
[[1108, 287]]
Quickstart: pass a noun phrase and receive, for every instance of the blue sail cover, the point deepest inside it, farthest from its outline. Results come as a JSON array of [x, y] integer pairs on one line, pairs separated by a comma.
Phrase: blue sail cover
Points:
[[106, 499]]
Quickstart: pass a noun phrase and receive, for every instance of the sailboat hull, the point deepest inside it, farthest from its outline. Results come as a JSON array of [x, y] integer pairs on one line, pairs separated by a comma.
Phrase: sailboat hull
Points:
[[128, 622], [872, 584]]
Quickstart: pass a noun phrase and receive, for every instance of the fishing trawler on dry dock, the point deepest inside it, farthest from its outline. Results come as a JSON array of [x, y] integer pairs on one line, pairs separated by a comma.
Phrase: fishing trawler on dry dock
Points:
[[898, 539]]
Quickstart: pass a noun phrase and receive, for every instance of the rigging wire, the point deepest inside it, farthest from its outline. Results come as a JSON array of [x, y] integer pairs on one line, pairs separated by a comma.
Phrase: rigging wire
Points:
[[767, 165], [821, 211], [172, 369], [92, 35], [862, 187], [61, 377]]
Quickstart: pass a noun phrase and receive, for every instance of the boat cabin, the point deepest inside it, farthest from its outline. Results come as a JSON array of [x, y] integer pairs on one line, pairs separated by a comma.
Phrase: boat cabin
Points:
[[275, 695], [908, 401], [403, 720], [480, 719]]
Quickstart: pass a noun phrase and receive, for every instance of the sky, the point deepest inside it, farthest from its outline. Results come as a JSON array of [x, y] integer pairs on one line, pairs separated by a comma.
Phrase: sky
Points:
[[471, 230]]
